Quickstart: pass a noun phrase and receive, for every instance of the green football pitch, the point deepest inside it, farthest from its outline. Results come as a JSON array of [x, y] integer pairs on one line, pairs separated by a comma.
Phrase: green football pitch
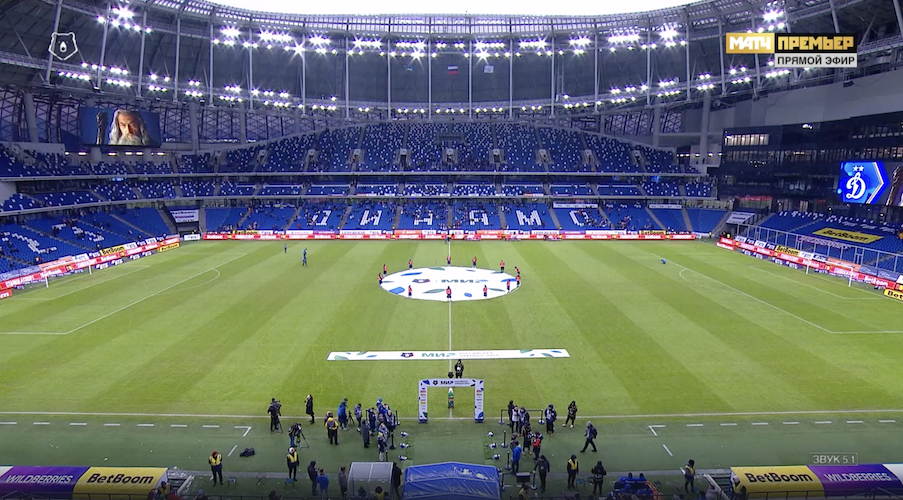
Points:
[[714, 356]]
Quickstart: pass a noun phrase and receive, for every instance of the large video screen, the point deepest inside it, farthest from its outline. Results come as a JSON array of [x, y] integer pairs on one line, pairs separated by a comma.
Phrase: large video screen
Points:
[[119, 127], [871, 182]]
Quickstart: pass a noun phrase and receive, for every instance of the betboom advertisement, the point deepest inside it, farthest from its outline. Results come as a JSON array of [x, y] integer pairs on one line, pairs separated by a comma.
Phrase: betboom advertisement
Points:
[[119, 127], [871, 183]]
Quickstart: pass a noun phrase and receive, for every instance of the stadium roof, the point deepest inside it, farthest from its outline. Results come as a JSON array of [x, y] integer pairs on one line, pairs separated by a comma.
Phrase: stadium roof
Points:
[[472, 7]]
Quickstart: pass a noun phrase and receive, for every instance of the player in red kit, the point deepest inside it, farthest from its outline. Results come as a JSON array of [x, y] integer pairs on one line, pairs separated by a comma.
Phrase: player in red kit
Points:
[[448, 293], [502, 265], [410, 291], [448, 260], [507, 283], [517, 269], [410, 264], [518, 281], [380, 276], [485, 290], [474, 261], [385, 271]]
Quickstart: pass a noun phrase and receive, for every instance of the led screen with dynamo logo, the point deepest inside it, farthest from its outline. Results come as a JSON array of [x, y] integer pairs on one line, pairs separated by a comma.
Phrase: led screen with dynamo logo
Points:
[[871, 183]]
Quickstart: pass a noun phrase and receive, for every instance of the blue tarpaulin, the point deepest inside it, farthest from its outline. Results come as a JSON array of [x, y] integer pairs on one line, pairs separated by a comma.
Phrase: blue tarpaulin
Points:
[[451, 480]]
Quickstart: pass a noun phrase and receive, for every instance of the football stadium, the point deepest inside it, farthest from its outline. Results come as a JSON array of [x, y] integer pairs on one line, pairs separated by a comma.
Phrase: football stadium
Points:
[[278, 250]]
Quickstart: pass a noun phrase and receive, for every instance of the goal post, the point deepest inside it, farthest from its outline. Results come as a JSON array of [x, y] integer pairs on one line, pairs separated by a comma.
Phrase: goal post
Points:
[[424, 385]]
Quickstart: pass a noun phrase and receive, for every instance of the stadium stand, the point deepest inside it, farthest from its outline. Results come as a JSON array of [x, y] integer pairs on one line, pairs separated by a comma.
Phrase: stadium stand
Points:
[[425, 189], [240, 160], [232, 189], [423, 216], [266, 217], [381, 144], [192, 189], [196, 164], [699, 189], [322, 216], [66, 198], [156, 190], [147, 219], [152, 168], [30, 246], [612, 155], [659, 160], [371, 215], [112, 224], [519, 146], [565, 147], [328, 190], [475, 189], [104, 168], [425, 152], [336, 147], [224, 219], [18, 202], [522, 189], [474, 152], [10, 166], [580, 219], [632, 217], [673, 219], [618, 190], [662, 188], [75, 232], [527, 216], [287, 155], [276, 190], [376, 189], [117, 191], [570, 190], [704, 220], [474, 215]]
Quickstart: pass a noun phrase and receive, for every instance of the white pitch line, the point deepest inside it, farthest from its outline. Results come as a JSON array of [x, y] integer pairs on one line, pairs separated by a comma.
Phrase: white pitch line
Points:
[[210, 426], [694, 425], [669, 451], [158, 292], [822, 422], [591, 417], [232, 451], [41, 423], [728, 424], [145, 425], [741, 292], [78, 423], [790, 423], [33, 333], [880, 422], [93, 284], [247, 429], [814, 287], [855, 422], [760, 423], [178, 425], [111, 425], [8, 423]]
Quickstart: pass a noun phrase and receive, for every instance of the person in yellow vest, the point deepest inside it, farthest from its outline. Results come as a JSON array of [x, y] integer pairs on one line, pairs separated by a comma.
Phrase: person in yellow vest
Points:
[[379, 494], [573, 468], [332, 429], [292, 461], [216, 467], [690, 476]]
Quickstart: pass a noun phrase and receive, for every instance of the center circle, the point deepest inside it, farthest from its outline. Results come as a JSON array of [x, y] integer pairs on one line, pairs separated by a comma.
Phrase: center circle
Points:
[[432, 283]]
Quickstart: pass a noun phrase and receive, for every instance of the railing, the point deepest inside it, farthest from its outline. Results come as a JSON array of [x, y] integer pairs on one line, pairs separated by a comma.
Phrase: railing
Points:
[[828, 248]]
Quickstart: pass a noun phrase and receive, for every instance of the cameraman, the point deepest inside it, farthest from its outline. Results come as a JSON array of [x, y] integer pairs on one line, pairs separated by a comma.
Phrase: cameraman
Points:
[[294, 432], [275, 410]]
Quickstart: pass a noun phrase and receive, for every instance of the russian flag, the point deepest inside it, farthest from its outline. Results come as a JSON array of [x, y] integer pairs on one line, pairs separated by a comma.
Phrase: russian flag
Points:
[[453, 70]]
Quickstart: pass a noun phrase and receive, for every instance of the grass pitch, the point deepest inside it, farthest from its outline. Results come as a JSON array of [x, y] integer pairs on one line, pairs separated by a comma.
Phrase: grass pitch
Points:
[[730, 360]]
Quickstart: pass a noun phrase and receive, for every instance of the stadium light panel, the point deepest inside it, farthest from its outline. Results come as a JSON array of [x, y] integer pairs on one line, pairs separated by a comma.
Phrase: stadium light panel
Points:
[[101, 19], [668, 33], [229, 43], [772, 15], [230, 32], [123, 12], [115, 23], [580, 42], [319, 40]]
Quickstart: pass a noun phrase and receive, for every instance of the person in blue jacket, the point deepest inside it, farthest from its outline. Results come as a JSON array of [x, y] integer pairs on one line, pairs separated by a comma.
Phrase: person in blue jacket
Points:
[[343, 414], [515, 457]]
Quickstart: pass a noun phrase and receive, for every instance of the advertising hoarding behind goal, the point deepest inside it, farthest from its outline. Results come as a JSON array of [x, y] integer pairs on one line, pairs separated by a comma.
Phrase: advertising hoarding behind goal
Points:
[[810, 50]]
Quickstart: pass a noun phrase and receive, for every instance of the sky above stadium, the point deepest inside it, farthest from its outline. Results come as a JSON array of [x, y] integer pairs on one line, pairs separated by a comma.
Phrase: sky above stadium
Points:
[[494, 7]]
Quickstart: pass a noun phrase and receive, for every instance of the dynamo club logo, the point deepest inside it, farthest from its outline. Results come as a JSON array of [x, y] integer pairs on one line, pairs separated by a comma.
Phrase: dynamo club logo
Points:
[[861, 181]]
